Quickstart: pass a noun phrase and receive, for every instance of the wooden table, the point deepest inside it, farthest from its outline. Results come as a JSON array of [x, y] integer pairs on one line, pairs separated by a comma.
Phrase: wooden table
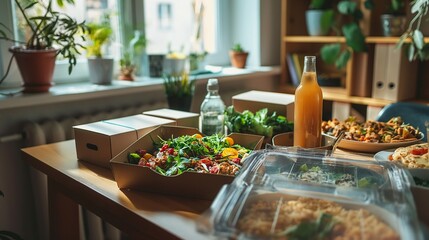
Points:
[[140, 215]]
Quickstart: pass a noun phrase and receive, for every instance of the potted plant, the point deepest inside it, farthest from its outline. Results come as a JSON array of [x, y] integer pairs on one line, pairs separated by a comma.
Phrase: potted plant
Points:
[[179, 90], [127, 68], [100, 66], [394, 20], [174, 63], [351, 14], [196, 61], [238, 56], [133, 58], [319, 17], [136, 50], [50, 34]]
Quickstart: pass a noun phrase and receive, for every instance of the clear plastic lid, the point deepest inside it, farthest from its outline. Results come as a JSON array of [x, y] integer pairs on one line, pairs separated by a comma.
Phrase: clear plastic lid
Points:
[[298, 194]]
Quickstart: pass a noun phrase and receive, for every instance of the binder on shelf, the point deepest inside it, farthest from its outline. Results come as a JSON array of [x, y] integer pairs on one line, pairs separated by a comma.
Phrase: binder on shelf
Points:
[[394, 77], [292, 70], [380, 71]]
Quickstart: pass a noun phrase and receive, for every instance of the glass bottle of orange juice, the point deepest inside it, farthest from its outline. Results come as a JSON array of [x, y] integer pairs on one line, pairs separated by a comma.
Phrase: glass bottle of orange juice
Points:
[[308, 107]]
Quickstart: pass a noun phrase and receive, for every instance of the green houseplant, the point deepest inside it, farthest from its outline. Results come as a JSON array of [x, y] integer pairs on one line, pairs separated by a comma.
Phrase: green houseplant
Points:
[[417, 49], [179, 90], [100, 66], [350, 14], [238, 56], [50, 33], [319, 17]]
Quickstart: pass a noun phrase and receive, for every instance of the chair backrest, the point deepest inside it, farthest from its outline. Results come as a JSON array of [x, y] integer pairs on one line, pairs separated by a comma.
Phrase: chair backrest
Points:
[[416, 114]]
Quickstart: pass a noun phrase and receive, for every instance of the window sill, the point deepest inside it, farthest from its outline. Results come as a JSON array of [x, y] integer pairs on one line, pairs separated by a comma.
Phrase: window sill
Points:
[[86, 91]]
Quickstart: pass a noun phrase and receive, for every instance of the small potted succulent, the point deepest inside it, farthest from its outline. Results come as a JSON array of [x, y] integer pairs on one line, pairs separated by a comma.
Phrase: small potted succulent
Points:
[[127, 68], [50, 33], [100, 66], [238, 56]]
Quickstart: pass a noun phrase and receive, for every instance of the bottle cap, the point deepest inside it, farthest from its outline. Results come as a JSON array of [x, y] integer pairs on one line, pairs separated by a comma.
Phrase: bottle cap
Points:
[[212, 84]]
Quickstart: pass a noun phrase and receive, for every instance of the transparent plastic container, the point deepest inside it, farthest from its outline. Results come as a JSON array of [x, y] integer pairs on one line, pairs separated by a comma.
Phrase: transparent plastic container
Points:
[[268, 200]]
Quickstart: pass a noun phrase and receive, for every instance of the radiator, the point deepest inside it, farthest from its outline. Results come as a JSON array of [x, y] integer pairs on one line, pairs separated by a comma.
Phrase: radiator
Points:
[[91, 226]]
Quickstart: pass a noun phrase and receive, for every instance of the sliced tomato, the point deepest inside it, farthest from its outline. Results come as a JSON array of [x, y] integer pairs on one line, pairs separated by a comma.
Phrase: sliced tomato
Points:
[[419, 151]]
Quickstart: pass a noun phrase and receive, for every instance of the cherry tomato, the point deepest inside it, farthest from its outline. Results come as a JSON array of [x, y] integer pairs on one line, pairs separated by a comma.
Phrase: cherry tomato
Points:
[[214, 169], [206, 161], [164, 147], [236, 160], [170, 151], [419, 151]]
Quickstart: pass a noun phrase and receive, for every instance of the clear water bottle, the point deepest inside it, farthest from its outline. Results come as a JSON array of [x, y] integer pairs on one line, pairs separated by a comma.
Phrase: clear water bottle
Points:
[[212, 110]]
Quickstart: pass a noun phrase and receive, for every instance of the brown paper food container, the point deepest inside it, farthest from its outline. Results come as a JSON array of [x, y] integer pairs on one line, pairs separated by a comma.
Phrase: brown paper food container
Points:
[[286, 140], [99, 142], [187, 184]]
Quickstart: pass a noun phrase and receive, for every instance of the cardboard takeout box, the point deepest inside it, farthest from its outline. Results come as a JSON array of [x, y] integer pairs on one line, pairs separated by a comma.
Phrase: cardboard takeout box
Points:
[[254, 101], [188, 184], [99, 142]]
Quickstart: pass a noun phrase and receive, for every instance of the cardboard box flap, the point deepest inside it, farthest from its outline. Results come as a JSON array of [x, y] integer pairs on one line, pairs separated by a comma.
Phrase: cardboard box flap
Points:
[[103, 128], [140, 123], [170, 113]]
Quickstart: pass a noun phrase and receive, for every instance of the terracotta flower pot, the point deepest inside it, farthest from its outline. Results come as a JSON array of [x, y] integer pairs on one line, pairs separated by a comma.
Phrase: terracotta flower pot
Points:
[[36, 68], [238, 59]]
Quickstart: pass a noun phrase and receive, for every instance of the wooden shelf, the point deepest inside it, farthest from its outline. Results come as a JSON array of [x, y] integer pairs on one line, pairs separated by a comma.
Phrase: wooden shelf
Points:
[[340, 95], [335, 39], [314, 39], [357, 78]]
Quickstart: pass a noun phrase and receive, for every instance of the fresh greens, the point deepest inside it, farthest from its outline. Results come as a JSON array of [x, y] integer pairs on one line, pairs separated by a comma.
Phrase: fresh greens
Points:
[[367, 182], [215, 154], [260, 123], [316, 229]]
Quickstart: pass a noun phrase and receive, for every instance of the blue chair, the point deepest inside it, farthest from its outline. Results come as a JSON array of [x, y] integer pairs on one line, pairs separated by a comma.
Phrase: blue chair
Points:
[[416, 114]]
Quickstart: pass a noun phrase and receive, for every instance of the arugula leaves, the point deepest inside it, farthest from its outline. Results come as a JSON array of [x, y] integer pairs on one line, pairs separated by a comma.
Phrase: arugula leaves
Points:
[[316, 229], [260, 123]]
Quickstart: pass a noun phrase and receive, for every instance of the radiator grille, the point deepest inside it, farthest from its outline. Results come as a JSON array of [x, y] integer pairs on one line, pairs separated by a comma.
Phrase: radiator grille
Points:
[[91, 226]]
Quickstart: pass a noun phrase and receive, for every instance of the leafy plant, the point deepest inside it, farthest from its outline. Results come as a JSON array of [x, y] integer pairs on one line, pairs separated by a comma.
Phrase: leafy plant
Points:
[[98, 34], [320, 4], [50, 29], [237, 48], [396, 7], [178, 85], [196, 58], [417, 49], [355, 39]]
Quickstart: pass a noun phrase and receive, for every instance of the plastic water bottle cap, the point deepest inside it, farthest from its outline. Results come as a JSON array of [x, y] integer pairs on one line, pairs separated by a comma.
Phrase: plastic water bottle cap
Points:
[[212, 84]]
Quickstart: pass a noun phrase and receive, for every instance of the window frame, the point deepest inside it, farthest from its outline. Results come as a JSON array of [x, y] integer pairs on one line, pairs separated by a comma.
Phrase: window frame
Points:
[[134, 17]]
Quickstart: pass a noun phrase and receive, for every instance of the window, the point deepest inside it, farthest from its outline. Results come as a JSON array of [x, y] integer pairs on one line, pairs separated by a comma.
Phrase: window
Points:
[[185, 25], [168, 25]]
